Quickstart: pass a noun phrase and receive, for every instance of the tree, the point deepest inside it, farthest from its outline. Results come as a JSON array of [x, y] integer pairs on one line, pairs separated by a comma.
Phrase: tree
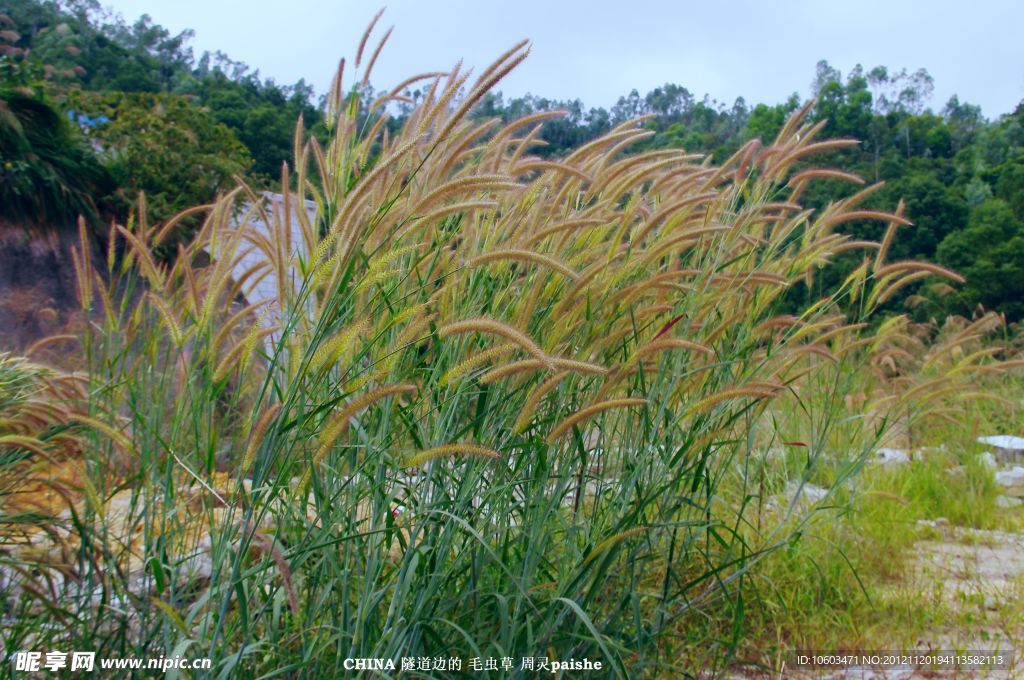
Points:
[[163, 145], [669, 100], [989, 253], [965, 120], [935, 210], [847, 108], [765, 122], [630, 106], [261, 114], [900, 92]]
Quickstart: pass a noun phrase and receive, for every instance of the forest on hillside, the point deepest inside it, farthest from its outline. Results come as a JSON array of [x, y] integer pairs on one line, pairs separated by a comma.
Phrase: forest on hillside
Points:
[[135, 110]]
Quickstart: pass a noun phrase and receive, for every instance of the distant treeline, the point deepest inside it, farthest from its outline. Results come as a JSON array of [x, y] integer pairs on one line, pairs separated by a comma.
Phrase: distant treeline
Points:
[[158, 119]]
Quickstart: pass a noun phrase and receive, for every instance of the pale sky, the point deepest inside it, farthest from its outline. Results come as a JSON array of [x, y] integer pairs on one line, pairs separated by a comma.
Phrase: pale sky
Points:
[[599, 50]]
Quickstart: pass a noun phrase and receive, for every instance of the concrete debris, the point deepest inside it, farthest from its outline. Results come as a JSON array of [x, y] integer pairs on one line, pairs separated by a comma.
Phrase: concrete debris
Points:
[[1012, 481], [1007, 448]]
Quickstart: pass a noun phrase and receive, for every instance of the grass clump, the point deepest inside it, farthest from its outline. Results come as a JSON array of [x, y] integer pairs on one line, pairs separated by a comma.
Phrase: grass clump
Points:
[[497, 407]]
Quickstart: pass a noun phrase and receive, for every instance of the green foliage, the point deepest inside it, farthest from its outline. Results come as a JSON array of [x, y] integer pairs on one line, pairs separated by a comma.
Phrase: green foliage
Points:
[[766, 121], [935, 209], [79, 47], [48, 175], [262, 115], [990, 253], [845, 107], [163, 145]]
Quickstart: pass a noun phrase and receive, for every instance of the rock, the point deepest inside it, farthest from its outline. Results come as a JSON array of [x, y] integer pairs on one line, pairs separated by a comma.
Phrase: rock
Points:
[[886, 456], [1008, 502], [1003, 441], [924, 451], [1007, 448], [37, 292], [934, 523], [1012, 481], [807, 493], [796, 497]]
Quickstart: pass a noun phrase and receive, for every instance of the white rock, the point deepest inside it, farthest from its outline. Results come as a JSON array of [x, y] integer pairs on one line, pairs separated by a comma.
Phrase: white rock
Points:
[[1011, 477], [1012, 480], [890, 456], [1003, 441], [809, 493], [987, 459], [1007, 448], [1008, 502]]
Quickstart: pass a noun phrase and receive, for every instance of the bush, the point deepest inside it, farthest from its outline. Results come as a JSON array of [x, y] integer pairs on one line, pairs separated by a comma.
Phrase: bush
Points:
[[162, 145], [48, 175]]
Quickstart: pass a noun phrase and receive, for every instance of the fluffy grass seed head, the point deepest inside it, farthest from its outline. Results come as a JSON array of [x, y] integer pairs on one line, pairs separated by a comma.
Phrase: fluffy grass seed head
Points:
[[424, 457], [493, 327], [590, 411]]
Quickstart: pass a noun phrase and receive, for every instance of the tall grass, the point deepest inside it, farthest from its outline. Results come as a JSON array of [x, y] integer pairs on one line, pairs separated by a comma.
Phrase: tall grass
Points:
[[507, 407]]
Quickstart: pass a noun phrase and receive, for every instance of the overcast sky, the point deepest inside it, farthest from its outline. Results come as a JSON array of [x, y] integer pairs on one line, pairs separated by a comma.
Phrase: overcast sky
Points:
[[599, 50]]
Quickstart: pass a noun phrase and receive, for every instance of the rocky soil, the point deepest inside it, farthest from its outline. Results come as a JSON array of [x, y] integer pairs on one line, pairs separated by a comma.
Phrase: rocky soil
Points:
[[37, 292]]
